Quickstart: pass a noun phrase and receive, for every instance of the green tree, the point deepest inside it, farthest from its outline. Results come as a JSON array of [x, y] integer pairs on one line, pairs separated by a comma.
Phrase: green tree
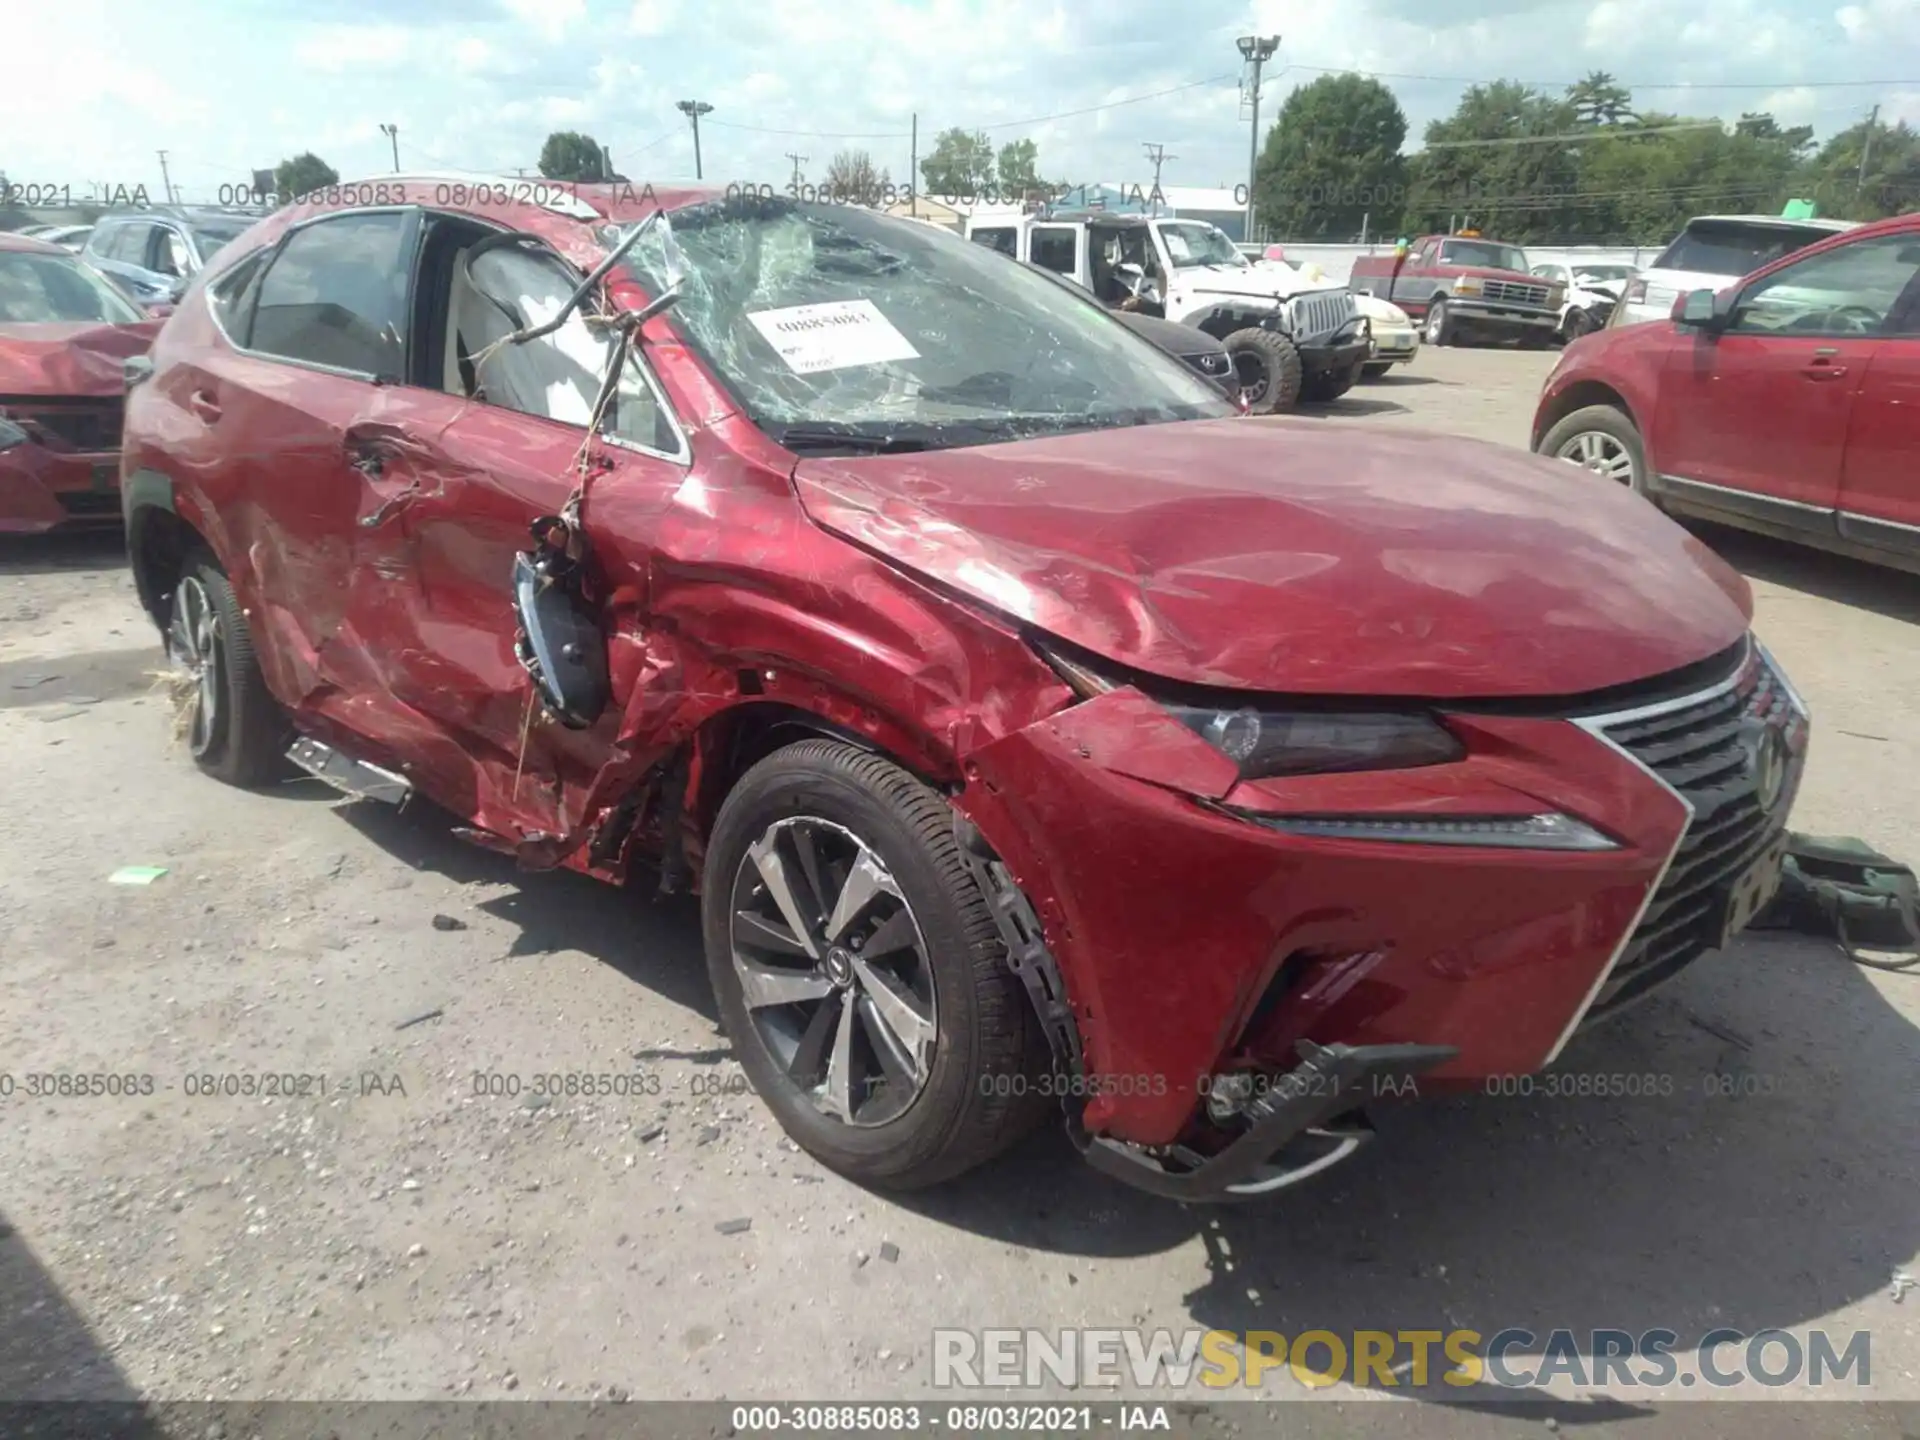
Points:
[[1600, 100], [570, 155], [304, 172], [1506, 160], [1332, 161], [1888, 183], [1019, 169], [961, 164], [851, 176]]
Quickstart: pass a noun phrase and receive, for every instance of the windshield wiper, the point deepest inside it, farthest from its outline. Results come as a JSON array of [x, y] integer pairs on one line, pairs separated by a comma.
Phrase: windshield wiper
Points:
[[828, 437]]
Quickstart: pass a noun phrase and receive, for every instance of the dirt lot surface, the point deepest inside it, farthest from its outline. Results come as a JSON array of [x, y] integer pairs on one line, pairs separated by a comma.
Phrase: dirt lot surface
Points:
[[389, 1233]]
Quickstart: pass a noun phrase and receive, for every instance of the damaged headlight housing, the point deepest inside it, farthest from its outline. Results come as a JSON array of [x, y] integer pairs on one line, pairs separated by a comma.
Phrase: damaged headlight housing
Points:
[[1265, 744]]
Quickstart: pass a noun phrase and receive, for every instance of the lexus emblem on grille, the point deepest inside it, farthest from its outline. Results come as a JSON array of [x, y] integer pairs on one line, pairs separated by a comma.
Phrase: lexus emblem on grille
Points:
[[1768, 765]]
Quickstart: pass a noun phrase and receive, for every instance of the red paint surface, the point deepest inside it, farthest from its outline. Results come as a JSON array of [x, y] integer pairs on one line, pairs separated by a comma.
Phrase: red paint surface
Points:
[[885, 597]]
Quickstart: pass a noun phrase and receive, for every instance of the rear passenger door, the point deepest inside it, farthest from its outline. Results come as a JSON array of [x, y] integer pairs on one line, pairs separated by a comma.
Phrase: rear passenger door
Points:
[[298, 416], [1059, 248]]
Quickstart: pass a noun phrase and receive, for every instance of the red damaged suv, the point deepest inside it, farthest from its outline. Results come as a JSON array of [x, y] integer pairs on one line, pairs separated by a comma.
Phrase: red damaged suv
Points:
[[65, 335], [1035, 731]]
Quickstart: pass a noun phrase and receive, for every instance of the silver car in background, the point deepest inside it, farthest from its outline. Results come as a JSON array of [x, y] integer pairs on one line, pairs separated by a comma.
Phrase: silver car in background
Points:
[[1712, 252]]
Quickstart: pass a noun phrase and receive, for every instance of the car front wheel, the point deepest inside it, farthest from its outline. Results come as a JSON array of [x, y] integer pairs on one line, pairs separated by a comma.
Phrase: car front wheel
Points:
[[859, 973], [1603, 439], [1268, 369]]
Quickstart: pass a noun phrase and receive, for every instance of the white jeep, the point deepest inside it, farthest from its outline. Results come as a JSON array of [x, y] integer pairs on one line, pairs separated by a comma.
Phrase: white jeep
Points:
[[1291, 338]]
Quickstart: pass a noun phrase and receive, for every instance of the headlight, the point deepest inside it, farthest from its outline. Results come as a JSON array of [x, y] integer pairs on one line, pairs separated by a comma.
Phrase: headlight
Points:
[[1266, 744], [11, 434], [1556, 294], [1468, 285], [1547, 831]]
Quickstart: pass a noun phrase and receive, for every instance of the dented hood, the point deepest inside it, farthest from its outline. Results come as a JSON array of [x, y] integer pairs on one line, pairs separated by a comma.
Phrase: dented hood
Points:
[[1295, 555], [81, 358]]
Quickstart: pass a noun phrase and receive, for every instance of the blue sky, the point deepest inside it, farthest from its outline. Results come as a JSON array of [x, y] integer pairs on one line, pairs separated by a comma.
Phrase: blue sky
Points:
[[95, 87]]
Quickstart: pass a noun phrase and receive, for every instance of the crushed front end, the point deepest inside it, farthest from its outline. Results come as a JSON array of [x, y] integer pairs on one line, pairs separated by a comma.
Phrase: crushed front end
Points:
[[59, 461], [1249, 946]]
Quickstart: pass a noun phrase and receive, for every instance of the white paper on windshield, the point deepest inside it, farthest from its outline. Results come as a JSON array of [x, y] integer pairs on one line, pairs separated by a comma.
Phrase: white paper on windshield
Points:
[[833, 336], [1177, 244]]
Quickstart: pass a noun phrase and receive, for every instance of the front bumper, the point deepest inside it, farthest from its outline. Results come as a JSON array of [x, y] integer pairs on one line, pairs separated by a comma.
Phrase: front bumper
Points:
[[1478, 311], [1251, 940], [1394, 347], [43, 489], [1335, 356]]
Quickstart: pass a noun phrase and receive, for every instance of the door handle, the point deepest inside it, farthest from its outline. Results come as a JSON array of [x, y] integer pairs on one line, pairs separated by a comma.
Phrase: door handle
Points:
[[202, 404], [1821, 367]]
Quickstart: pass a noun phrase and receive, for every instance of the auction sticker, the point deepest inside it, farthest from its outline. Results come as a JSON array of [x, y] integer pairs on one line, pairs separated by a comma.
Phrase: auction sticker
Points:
[[833, 336]]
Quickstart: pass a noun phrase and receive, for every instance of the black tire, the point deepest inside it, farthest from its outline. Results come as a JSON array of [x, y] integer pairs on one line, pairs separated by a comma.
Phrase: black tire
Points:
[[1376, 370], [1604, 421], [978, 1095], [1578, 323], [244, 740], [1268, 365], [1328, 386], [1440, 328]]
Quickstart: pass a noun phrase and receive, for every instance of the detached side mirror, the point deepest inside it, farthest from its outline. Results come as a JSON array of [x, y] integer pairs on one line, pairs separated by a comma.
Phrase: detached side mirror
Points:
[[1132, 278]]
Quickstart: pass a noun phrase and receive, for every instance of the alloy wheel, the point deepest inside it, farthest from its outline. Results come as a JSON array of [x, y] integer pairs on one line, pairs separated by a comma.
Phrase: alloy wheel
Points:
[[197, 647], [834, 971], [1599, 452]]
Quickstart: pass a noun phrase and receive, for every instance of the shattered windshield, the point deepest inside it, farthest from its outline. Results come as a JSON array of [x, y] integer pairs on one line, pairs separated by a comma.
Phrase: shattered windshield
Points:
[[834, 322], [51, 289], [1193, 243]]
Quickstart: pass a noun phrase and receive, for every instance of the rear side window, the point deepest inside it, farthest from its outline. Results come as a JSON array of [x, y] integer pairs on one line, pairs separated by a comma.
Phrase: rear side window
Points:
[[336, 295], [1721, 247], [1053, 248], [128, 243]]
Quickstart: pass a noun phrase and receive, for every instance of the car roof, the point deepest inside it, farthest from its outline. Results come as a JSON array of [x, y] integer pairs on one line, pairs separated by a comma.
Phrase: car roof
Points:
[[1774, 222], [9, 240], [566, 214]]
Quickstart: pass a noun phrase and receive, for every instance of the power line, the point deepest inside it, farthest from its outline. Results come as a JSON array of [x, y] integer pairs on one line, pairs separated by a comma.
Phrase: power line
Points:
[[996, 125], [1623, 84]]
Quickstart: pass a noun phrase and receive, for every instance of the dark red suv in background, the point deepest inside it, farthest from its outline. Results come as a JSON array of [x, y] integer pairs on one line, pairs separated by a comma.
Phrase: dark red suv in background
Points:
[[1035, 730], [65, 335], [1788, 402]]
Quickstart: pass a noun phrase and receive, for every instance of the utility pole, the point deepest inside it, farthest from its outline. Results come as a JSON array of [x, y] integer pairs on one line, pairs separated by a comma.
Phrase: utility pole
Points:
[[1257, 49], [913, 167], [1157, 156], [798, 161], [693, 110], [1866, 149], [392, 132], [166, 184]]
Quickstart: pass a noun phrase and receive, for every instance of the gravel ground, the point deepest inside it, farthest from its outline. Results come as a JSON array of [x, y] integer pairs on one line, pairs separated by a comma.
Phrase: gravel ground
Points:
[[386, 1232]]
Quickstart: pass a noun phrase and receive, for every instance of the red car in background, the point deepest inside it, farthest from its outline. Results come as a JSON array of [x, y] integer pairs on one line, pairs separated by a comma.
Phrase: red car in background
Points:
[[1787, 403], [65, 335], [1037, 732]]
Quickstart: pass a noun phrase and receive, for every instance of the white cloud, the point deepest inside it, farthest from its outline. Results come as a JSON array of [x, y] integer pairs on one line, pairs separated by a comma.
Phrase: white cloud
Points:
[[550, 19], [652, 17], [336, 49]]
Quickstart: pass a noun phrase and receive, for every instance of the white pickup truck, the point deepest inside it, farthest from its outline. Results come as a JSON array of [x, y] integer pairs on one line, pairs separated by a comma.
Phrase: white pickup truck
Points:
[[1291, 338]]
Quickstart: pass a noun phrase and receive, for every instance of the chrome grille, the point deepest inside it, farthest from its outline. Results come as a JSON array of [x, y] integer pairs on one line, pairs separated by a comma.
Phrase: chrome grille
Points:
[[87, 426], [1702, 747], [1514, 292]]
